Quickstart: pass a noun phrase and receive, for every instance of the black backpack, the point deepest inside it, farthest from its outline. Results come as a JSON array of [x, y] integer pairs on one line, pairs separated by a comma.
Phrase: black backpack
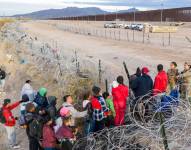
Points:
[[35, 128], [2, 118]]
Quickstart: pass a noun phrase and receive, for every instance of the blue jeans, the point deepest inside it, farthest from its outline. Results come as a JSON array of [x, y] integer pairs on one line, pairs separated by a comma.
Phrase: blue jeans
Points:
[[49, 148], [89, 127]]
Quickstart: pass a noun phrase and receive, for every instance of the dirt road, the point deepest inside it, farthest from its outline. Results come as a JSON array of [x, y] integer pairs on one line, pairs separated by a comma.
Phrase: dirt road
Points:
[[111, 52]]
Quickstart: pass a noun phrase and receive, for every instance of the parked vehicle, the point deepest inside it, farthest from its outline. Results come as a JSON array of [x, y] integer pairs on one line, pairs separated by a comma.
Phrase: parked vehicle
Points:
[[110, 25], [139, 27], [127, 26], [133, 26]]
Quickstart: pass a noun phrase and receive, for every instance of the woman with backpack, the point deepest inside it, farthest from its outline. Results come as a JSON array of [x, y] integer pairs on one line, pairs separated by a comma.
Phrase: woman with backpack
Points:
[[33, 131], [10, 121]]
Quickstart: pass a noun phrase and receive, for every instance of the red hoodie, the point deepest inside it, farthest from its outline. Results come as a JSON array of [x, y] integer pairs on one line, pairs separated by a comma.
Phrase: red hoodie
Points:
[[120, 95], [161, 82], [10, 119]]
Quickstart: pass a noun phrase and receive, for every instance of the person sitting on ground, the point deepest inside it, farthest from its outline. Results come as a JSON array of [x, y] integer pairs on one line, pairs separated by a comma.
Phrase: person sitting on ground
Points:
[[68, 103], [30, 117], [172, 75], [28, 90], [100, 110], [161, 81], [49, 138], [120, 95], [109, 102], [10, 121], [41, 99], [52, 110], [143, 84], [65, 135], [2, 79], [88, 123]]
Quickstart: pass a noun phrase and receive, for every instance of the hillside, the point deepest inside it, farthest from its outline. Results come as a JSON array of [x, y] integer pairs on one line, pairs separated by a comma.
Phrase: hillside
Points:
[[65, 12]]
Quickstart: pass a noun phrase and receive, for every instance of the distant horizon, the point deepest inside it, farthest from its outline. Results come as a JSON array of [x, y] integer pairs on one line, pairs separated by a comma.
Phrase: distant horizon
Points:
[[14, 7]]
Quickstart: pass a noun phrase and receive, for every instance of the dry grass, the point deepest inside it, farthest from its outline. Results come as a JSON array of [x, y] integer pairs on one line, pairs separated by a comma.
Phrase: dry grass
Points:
[[4, 21]]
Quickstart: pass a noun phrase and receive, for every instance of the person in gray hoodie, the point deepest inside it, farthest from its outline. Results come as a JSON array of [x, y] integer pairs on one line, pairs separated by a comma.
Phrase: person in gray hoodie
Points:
[[68, 103]]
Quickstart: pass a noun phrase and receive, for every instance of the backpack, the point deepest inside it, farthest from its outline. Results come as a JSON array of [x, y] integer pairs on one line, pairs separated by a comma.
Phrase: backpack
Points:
[[2, 118], [35, 128]]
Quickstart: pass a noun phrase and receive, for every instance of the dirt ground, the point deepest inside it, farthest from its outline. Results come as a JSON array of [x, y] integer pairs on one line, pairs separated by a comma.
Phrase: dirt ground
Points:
[[112, 52]]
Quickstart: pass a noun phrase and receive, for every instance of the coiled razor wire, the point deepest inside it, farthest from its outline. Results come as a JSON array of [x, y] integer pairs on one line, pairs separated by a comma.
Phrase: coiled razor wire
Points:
[[143, 129]]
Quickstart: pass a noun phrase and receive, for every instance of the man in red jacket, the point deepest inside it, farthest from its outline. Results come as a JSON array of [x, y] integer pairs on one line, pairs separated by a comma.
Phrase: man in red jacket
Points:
[[10, 121], [161, 81], [120, 95]]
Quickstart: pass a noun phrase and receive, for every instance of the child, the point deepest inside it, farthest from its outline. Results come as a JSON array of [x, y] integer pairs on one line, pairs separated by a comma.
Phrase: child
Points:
[[65, 135], [109, 103], [68, 103], [64, 112], [89, 124], [49, 137], [100, 110]]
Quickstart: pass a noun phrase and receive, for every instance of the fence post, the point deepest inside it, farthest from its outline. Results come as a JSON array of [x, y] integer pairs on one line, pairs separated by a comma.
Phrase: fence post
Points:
[[106, 86], [127, 71], [163, 133], [99, 71], [169, 39], [76, 60], [143, 37]]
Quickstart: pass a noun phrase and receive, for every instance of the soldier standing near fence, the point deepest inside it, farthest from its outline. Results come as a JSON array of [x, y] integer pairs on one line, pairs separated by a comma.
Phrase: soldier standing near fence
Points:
[[186, 82], [172, 76]]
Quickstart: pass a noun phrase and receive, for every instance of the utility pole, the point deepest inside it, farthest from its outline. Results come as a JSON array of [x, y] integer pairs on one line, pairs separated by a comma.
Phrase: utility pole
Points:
[[134, 17], [162, 7]]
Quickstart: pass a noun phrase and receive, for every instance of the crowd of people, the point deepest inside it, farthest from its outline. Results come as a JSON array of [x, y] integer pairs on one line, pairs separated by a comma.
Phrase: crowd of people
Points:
[[50, 127]]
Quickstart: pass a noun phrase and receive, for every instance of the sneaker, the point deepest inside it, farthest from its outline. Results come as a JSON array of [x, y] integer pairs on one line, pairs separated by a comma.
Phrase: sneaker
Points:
[[16, 147]]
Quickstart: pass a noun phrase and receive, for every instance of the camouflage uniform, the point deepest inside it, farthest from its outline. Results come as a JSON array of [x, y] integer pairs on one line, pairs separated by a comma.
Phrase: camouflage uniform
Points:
[[172, 78], [186, 85]]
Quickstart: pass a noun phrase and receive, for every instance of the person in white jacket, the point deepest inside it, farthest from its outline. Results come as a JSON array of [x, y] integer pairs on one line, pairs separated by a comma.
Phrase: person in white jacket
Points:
[[27, 90], [68, 103]]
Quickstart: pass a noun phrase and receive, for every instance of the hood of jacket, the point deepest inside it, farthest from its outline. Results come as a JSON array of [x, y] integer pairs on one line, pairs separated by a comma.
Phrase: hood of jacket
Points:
[[52, 100], [43, 92]]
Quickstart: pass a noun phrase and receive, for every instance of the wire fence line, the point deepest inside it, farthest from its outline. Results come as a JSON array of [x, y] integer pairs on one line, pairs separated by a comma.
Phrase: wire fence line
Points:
[[159, 39]]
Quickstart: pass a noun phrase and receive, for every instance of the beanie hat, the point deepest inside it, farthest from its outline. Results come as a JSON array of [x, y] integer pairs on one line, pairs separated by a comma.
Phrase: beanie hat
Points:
[[145, 70], [6, 101], [43, 92], [64, 111], [25, 98]]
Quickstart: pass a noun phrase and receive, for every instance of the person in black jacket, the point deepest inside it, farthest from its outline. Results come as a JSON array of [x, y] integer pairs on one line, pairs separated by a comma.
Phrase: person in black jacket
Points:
[[2, 79], [52, 110], [143, 84], [30, 116]]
